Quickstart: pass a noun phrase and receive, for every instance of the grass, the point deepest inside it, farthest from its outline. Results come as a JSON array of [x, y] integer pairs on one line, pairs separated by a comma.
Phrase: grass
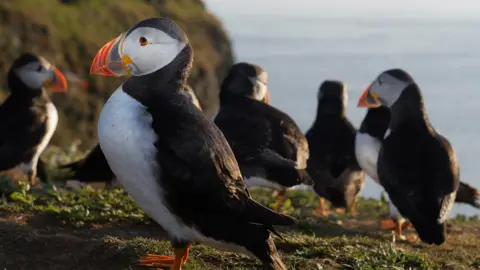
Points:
[[98, 229]]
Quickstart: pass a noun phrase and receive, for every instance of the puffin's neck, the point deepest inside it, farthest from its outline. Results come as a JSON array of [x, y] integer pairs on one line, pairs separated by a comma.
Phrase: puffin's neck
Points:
[[165, 81], [409, 108], [329, 112]]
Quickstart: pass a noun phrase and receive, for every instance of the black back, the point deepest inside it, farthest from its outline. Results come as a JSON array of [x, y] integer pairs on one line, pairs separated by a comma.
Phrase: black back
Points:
[[332, 163], [23, 118], [199, 174], [417, 166], [92, 168], [266, 141]]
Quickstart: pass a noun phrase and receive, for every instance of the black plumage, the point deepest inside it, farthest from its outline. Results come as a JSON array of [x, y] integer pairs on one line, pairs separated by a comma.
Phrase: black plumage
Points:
[[27, 117], [375, 125], [201, 183], [331, 139], [267, 143], [416, 165], [94, 167]]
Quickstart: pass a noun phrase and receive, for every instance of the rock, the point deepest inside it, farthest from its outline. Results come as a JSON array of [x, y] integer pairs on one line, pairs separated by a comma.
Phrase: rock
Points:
[[69, 35]]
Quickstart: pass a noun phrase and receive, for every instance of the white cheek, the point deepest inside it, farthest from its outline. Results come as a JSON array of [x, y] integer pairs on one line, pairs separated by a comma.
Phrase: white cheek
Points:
[[153, 57], [260, 90], [31, 79]]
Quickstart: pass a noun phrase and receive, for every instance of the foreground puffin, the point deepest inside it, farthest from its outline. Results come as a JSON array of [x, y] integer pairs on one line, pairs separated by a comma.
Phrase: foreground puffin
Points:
[[332, 163], [270, 148], [174, 162], [367, 146], [416, 165], [28, 118], [94, 167]]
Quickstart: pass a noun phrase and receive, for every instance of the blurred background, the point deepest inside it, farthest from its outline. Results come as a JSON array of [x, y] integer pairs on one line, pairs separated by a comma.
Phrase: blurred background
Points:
[[300, 43]]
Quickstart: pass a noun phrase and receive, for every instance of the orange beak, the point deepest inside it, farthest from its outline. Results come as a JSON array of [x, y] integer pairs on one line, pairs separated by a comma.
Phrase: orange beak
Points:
[[58, 83], [367, 100], [109, 60]]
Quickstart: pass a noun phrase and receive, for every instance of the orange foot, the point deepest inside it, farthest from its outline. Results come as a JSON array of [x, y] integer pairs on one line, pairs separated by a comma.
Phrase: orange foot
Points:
[[319, 212], [157, 261], [339, 210], [409, 238], [387, 224]]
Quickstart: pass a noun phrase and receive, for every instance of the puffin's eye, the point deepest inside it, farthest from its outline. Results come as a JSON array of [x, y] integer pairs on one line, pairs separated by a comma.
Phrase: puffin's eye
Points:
[[40, 68], [143, 41]]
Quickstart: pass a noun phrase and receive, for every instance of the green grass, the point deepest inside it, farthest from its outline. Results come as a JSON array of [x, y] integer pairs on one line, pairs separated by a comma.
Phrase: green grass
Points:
[[109, 224]]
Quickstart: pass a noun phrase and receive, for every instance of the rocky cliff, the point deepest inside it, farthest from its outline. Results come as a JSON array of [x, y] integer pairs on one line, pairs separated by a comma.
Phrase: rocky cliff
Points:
[[70, 32]]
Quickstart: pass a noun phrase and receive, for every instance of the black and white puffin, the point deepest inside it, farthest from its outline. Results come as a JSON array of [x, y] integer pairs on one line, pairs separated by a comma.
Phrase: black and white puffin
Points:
[[174, 162], [332, 164], [416, 165], [270, 148], [367, 147], [94, 166], [28, 118]]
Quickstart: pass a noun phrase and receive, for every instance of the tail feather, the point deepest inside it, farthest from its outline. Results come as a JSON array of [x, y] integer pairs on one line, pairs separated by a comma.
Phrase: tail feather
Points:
[[468, 194], [266, 216]]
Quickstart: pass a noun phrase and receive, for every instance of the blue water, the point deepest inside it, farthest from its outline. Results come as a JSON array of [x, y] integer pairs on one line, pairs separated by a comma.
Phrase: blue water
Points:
[[300, 51]]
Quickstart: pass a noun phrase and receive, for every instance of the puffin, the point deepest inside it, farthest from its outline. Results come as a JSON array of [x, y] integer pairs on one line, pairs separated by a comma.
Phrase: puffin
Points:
[[332, 165], [368, 142], [173, 161], [270, 148], [416, 165], [94, 167], [28, 118]]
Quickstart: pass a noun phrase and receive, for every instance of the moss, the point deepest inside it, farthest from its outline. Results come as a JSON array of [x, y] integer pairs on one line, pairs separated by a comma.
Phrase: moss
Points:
[[69, 35]]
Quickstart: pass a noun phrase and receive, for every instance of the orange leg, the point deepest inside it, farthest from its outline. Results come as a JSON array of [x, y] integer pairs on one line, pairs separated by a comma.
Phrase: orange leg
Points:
[[280, 198], [158, 261], [166, 262], [388, 224], [399, 230], [339, 210], [321, 211]]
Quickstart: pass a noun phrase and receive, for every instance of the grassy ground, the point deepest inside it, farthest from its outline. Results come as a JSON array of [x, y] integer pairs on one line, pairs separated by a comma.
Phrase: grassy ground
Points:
[[94, 229]]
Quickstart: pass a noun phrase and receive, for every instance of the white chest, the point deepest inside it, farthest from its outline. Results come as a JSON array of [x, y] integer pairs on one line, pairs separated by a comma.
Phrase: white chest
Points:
[[127, 140], [50, 127], [367, 149]]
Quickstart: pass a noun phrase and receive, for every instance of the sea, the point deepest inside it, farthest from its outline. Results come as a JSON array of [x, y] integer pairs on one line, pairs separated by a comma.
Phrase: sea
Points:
[[302, 43]]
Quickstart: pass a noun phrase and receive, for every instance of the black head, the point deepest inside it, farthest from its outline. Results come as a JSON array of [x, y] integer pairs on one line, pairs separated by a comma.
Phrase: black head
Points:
[[147, 47], [29, 74], [386, 89], [332, 97], [245, 80]]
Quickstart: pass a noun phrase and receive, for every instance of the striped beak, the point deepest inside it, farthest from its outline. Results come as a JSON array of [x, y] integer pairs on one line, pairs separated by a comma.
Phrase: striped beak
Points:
[[110, 61]]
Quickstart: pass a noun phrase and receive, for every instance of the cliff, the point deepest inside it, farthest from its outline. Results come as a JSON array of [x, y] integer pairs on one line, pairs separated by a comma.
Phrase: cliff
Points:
[[70, 32]]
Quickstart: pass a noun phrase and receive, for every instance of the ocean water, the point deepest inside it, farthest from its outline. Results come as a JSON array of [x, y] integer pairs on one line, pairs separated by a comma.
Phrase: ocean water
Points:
[[301, 49]]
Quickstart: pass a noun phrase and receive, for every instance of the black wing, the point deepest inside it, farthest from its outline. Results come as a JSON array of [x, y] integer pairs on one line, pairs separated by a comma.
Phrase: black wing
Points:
[[261, 134], [200, 165], [22, 129], [420, 174]]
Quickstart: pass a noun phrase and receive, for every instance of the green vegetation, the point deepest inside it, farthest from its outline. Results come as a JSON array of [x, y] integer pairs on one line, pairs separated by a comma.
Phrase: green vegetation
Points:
[[69, 36], [100, 229]]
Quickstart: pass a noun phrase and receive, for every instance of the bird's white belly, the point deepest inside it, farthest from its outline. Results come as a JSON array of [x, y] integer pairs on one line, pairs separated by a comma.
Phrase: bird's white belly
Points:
[[367, 149], [50, 126], [127, 140]]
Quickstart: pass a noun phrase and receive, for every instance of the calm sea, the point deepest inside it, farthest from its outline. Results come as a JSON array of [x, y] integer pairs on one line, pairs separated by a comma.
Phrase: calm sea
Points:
[[300, 51]]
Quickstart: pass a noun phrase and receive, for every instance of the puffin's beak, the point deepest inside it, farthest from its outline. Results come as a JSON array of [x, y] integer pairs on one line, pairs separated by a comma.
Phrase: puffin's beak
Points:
[[267, 97], [57, 83], [110, 61], [367, 100]]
